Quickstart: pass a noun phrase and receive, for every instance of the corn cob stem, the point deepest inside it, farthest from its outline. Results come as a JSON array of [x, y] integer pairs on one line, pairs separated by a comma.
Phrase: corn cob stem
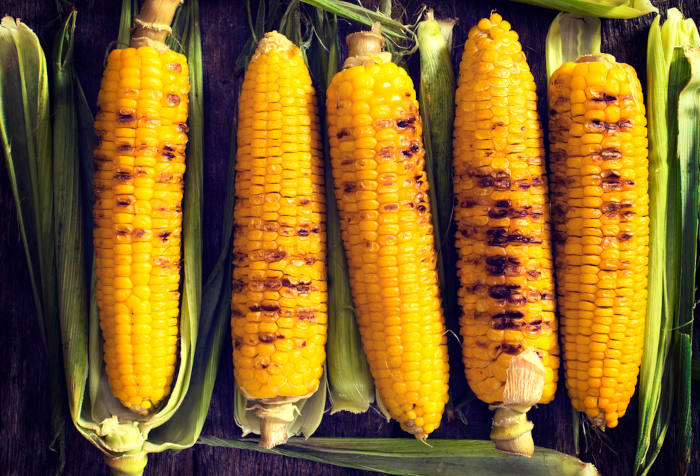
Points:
[[525, 378], [132, 465], [364, 47], [152, 25]]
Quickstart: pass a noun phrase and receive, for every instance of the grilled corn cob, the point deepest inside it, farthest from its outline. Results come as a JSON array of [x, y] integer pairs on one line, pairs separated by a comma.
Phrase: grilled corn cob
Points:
[[502, 215], [601, 216], [374, 131], [279, 304], [139, 165]]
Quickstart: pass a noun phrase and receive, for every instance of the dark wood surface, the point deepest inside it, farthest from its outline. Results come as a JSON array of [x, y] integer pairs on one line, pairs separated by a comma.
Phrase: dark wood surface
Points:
[[24, 387]]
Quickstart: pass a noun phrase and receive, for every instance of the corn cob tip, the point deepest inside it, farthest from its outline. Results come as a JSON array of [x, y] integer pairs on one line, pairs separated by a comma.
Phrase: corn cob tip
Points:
[[525, 379], [365, 48], [275, 414], [273, 41], [152, 25]]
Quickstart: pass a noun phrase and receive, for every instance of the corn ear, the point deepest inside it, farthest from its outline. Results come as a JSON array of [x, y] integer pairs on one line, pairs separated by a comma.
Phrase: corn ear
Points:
[[599, 8], [569, 37], [664, 260], [404, 456], [273, 14]]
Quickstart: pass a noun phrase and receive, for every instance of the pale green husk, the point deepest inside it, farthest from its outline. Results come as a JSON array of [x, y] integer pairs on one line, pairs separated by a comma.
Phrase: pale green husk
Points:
[[410, 457], [569, 37], [657, 371], [599, 8], [26, 140]]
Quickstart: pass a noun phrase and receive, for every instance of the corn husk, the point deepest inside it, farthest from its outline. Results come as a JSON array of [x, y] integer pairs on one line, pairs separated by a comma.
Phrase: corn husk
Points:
[[599, 8], [26, 139], [657, 370], [569, 37], [684, 152], [410, 457]]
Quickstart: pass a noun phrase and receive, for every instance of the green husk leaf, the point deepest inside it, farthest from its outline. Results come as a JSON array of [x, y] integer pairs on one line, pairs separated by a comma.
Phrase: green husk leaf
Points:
[[129, 10], [25, 135], [599, 8], [684, 83], [657, 370], [410, 457], [569, 37], [350, 382], [71, 266], [392, 29]]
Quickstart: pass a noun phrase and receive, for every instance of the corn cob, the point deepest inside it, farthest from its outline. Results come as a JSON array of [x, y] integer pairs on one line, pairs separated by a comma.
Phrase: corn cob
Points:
[[601, 217], [139, 165], [374, 131], [502, 216], [279, 303]]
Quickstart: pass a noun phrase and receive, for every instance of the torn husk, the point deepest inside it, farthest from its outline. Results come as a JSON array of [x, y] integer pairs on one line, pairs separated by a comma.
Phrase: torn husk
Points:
[[275, 414], [511, 431], [152, 25], [130, 465], [365, 48]]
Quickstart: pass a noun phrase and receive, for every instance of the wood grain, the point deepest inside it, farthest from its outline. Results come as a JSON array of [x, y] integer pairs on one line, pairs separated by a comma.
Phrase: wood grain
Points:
[[24, 409]]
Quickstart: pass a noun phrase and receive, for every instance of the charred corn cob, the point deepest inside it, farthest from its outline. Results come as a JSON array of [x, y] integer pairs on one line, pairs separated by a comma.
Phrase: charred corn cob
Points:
[[601, 218], [139, 165], [502, 215], [374, 131], [279, 304]]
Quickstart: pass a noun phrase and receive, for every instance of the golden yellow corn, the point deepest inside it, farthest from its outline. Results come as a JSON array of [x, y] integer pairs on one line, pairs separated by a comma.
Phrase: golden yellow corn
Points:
[[139, 165], [375, 131], [279, 304], [601, 216], [502, 214]]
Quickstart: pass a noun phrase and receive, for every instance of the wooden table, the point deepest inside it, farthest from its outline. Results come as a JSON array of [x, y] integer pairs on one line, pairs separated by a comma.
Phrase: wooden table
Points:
[[24, 406]]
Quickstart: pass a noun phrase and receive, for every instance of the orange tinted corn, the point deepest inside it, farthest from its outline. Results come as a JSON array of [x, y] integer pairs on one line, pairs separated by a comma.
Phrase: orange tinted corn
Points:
[[502, 214], [139, 166], [375, 132], [601, 215], [279, 304]]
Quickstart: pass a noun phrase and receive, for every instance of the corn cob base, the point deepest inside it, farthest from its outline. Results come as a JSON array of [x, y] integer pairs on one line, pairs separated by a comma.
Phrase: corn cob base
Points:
[[279, 302], [601, 216]]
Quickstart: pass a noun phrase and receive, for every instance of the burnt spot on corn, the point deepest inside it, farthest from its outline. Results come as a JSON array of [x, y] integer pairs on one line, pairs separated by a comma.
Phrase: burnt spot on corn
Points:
[[122, 176], [306, 315], [168, 154], [342, 133], [270, 307], [124, 201], [177, 67], [499, 291], [603, 97], [497, 236], [173, 99], [128, 148], [610, 208], [610, 153], [163, 235], [349, 187], [182, 127], [126, 118], [138, 233], [625, 236], [272, 256], [266, 338], [303, 232], [408, 123], [512, 349]]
